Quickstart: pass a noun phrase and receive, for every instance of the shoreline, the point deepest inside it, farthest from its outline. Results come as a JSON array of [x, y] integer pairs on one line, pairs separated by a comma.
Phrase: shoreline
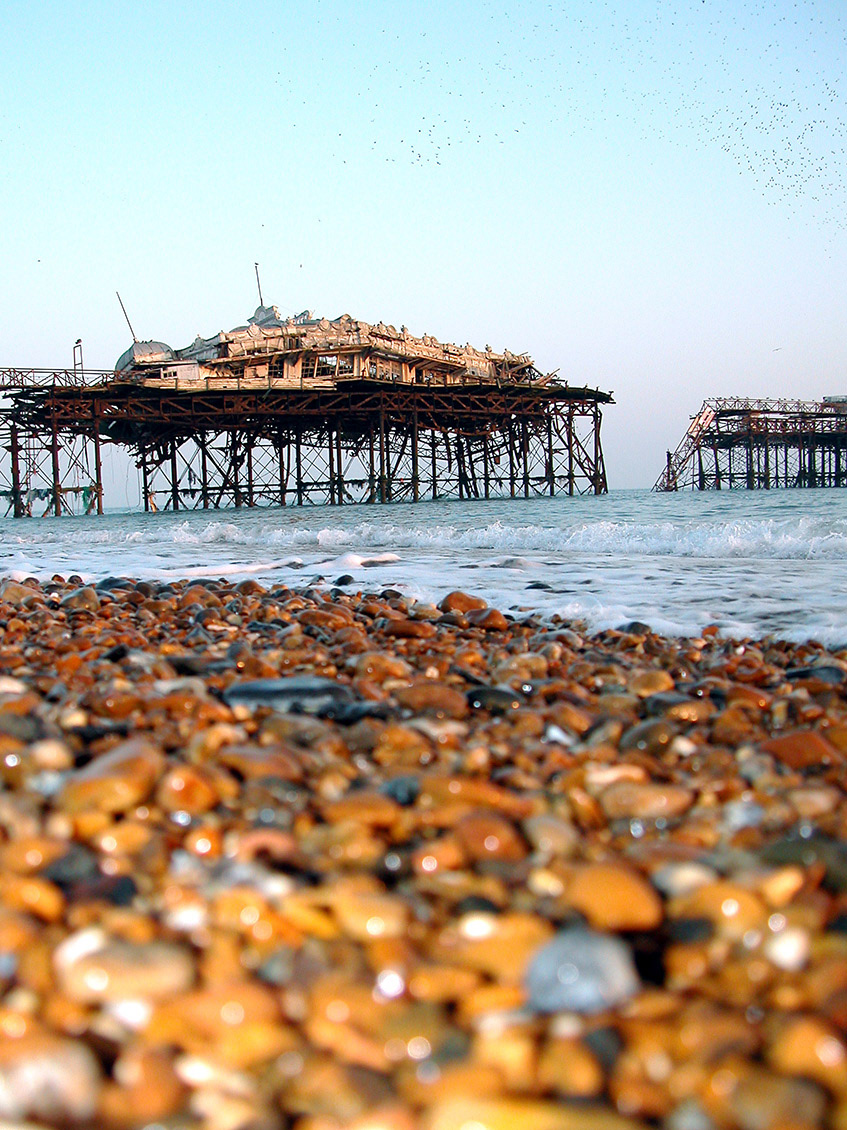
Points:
[[372, 895]]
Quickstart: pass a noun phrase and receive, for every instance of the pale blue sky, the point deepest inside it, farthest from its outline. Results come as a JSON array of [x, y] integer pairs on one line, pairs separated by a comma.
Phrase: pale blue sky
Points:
[[648, 197]]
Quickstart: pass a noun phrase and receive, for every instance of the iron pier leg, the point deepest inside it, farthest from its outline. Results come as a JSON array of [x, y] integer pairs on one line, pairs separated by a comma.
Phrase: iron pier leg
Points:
[[250, 441], [145, 479], [571, 484], [236, 485], [525, 446], [434, 466], [18, 510], [282, 475], [339, 480], [511, 460], [54, 453], [416, 493], [382, 483], [371, 464], [330, 463], [298, 465], [204, 471], [486, 467], [174, 477], [599, 484], [98, 468], [551, 472]]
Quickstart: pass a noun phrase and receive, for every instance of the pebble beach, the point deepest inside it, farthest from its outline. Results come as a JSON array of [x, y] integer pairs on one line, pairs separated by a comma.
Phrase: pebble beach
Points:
[[310, 858]]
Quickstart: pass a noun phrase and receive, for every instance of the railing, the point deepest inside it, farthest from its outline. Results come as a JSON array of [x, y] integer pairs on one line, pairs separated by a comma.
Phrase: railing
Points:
[[43, 378]]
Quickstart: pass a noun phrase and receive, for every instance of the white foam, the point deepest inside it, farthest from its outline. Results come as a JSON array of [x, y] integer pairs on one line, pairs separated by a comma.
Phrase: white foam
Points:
[[754, 562]]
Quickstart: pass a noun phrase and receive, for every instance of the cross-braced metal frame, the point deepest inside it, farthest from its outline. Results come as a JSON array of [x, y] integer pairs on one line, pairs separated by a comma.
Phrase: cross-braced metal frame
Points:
[[760, 445], [368, 441]]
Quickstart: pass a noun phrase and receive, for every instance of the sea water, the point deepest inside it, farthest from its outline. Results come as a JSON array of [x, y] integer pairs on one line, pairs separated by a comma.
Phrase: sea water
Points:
[[753, 563]]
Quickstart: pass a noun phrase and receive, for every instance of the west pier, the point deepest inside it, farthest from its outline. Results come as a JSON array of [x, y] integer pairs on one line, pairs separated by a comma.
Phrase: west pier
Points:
[[295, 411], [738, 443]]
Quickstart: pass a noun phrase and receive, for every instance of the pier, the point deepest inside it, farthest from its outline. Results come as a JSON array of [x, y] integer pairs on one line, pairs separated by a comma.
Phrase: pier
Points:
[[299, 411], [737, 443]]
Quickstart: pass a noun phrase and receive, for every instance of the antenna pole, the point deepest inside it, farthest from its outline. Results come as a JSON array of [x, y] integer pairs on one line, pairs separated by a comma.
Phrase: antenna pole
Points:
[[259, 285], [128, 322]]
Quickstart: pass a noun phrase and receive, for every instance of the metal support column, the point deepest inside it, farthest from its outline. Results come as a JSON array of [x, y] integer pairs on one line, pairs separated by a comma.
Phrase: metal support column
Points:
[[339, 480], [511, 459], [434, 465], [204, 471], [250, 441], [383, 493], [54, 456], [330, 462], [571, 473], [551, 471], [149, 504], [98, 469], [525, 447], [174, 477], [298, 464], [18, 509], [415, 478]]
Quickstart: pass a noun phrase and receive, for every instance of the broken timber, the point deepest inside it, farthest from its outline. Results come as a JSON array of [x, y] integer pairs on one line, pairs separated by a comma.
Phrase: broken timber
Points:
[[300, 411], [760, 445]]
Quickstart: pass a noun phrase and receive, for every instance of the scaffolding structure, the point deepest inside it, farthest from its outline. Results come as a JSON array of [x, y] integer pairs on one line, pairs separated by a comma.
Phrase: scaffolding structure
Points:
[[760, 445], [301, 411]]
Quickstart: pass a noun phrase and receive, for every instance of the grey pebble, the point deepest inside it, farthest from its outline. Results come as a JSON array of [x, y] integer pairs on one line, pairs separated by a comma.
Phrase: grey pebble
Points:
[[581, 970]]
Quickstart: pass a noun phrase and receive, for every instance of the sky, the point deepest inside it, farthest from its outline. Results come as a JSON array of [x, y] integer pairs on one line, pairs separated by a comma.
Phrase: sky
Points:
[[648, 197]]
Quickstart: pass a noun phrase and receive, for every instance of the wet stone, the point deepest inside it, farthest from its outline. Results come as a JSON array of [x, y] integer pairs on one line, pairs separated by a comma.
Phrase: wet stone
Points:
[[581, 970], [92, 968], [300, 694], [462, 602], [432, 697], [496, 700], [615, 897], [85, 598], [645, 800], [802, 750], [116, 781], [48, 1077]]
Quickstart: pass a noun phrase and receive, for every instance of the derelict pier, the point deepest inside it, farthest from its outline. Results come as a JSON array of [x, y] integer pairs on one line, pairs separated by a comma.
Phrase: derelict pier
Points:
[[761, 445], [299, 411]]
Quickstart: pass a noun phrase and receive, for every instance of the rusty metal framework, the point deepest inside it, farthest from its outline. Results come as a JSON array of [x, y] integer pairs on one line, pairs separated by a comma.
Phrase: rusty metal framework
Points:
[[760, 445], [356, 441]]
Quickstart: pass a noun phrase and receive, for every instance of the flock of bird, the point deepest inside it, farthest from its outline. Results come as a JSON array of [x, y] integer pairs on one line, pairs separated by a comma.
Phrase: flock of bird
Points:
[[757, 81]]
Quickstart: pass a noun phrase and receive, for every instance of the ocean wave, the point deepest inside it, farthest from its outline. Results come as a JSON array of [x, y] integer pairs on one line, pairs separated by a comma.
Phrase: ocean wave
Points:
[[795, 538]]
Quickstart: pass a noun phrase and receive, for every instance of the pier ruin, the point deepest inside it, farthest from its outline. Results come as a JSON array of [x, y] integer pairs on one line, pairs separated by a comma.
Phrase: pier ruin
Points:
[[760, 445], [299, 410]]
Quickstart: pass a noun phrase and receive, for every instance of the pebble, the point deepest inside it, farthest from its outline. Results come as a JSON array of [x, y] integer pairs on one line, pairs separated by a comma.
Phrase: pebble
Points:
[[93, 968], [583, 971], [615, 897], [48, 1077], [304, 694], [430, 697], [645, 800], [115, 781], [462, 602], [85, 598]]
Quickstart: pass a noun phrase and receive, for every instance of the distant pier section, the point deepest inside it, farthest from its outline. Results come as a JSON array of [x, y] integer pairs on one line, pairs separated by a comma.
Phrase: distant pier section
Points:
[[736, 443], [299, 410]]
